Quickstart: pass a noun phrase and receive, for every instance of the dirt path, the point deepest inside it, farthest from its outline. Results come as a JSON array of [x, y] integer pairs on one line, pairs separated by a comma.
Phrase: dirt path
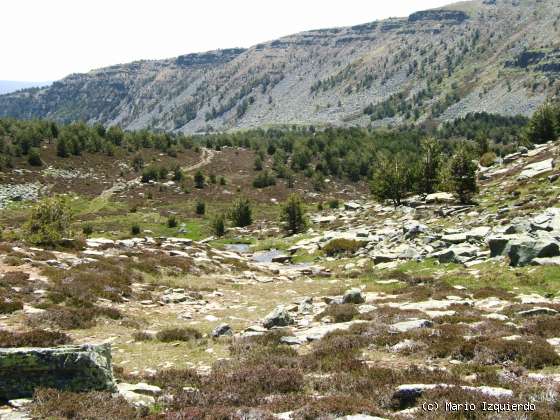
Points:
[[206, 158]]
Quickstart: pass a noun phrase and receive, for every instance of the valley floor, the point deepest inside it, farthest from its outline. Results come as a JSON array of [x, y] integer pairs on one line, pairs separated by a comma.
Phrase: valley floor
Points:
[[374, 311]]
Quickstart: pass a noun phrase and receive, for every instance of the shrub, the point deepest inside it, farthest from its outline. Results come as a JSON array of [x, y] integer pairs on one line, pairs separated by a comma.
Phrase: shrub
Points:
[[241, 213], [34, 338], [172, 222], [7, 307], [50, 403], [199, 180], [200, 208], [219, 225], [222, 180], [488, 159], [178, 334], [263, 180], [34, 158], [535, 355], [73, 318], [338, 406], [150, 174], [293, 215], [138, 163], [545, 326], [342, 246], [339, 313], [142, 336], [334, 203], [176, 379], [83, 284], [135, 229], [87, 229], [49, 222]]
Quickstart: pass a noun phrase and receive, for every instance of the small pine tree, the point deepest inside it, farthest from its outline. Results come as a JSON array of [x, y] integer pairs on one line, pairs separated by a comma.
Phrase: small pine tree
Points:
[[219, 225], [258, 163], [177, 174], [62, 147], [135, 229], [241, 213], [34, 158], [293, 215], [172, 222], [463, 175], [200, 208], [430, 164], [199, 180]]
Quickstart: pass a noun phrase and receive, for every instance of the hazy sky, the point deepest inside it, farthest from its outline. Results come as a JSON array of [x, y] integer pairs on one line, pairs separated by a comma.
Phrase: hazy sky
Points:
[[49, 39]]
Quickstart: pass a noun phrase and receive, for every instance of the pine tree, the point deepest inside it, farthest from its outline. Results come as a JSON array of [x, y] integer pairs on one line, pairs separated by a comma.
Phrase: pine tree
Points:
[[391, 179], [543, 125], [293, 215], [430, 164], [62, 147], [199, 180], [463, 175], [241, 214]]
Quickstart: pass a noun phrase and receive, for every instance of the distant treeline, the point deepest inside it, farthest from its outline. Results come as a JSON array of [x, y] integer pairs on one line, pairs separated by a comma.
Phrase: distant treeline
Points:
[[345, 153]]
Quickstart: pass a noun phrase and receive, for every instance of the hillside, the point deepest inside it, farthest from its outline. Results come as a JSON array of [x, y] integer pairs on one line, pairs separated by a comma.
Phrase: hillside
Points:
[[499, 56]]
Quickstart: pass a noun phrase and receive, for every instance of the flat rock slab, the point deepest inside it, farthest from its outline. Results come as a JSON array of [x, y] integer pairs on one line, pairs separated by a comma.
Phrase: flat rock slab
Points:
[[70, 368], [410, 325]]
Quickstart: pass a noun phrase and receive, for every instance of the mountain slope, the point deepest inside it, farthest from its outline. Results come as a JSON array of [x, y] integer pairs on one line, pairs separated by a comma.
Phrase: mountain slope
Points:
[[498, 56]]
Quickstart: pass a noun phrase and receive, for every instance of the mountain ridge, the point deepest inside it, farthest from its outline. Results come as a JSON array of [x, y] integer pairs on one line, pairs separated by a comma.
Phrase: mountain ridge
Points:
[[437, 65]]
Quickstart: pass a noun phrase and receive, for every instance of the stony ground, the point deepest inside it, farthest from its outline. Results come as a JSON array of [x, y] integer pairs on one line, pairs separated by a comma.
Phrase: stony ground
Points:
[[374, 310]]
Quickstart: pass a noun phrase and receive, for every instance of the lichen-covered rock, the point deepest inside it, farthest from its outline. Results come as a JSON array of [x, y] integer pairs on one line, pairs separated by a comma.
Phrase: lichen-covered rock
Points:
[[353, 296], [279, 317], [70, 368]]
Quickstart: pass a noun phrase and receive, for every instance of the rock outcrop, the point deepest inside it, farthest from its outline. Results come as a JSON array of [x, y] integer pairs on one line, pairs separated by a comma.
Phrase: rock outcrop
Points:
[[71, 368]]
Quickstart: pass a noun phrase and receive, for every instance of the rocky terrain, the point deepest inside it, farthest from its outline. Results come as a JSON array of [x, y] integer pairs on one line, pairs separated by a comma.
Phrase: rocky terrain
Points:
[[497, 56], [431, 301]]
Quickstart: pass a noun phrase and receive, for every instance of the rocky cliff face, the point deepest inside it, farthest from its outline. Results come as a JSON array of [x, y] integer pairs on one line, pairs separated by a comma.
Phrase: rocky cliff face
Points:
[[496, 56]]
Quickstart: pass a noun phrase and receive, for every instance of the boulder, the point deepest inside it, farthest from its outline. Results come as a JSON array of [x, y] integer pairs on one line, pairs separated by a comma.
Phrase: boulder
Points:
[[524, 249], [536, 169], [478, 233], [440, 197], [352, 206], [549, 220], [70, 368], [455, 238], [139, 395], [279, 317], [538, 312], [410, 325], [221, 330], [553, 261], [353, 296]]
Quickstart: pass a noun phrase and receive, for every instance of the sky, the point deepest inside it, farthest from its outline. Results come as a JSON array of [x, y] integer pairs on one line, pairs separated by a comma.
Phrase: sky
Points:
[[45, 40]]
